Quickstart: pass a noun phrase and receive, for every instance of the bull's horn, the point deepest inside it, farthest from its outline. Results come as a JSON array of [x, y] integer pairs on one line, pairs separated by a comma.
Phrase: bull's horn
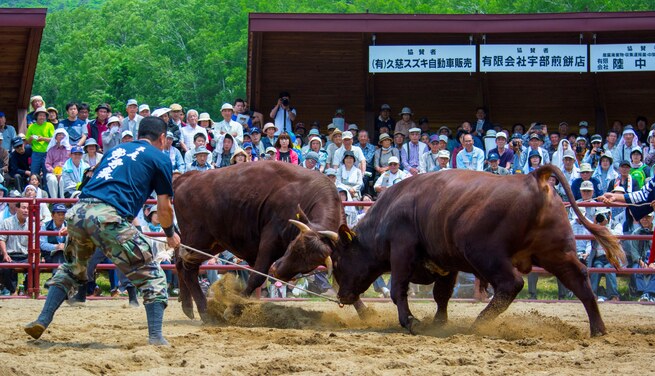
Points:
[[303, 227], [328, 264], [330, 235]]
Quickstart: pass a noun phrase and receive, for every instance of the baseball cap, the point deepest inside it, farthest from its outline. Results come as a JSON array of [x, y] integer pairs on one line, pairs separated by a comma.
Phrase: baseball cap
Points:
[[144, 107], [246, 145], [501, 135], [596, 138], [394, 160], [77, 149], [583, 123], [131, 102], [254, 130], [227, 106], [517, 136], [2, 114], [443, 138], [493, 157], [59, 208], [569, 154], [314, 132], [16, 142], [347, 135], [271, 149], [535, 136], [415, 130], [169, 134], [332, 172], [126, 133], [624, 163], [385, 107], [434, 138], [587, 186], [353, 126], [113, 119]]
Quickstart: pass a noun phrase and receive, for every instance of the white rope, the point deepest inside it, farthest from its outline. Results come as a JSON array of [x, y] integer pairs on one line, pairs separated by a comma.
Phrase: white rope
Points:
[[249, 270]]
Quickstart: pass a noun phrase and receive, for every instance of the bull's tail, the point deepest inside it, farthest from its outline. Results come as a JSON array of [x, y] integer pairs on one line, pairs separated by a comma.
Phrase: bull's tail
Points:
[[613, 250]]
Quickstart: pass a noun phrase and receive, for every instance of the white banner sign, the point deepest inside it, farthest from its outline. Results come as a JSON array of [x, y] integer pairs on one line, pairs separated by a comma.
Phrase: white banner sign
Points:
[[415, 59], [622, 57], [533, 58]]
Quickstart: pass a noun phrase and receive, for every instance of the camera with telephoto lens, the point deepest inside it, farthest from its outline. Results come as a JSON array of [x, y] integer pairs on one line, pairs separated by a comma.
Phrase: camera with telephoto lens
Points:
[[578, 149], [285, 102], [600, 218]]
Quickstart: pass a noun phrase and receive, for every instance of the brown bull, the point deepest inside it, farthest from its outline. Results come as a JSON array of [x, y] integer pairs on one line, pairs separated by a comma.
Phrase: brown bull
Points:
[[427, 228], [257, 211]]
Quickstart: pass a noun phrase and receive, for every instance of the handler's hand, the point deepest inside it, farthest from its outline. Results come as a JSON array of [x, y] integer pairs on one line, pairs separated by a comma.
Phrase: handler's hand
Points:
[[607, 198], [173, 241], [63, 231]]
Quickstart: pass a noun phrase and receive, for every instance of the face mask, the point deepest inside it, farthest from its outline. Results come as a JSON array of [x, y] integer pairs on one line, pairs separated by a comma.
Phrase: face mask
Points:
[[583, 131]]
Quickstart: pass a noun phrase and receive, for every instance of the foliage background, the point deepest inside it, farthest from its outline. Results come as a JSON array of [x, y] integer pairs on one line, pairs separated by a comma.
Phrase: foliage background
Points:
[[195, 51]]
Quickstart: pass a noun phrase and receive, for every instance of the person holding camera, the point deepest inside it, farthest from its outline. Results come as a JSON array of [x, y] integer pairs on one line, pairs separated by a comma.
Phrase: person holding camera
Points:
[[518, 149], [539, 129], [592, 156], [283, 114], [596, 258]]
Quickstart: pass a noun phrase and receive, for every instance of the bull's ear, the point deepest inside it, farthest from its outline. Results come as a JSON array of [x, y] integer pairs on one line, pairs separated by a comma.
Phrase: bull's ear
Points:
[[301, 216], [345, 234]]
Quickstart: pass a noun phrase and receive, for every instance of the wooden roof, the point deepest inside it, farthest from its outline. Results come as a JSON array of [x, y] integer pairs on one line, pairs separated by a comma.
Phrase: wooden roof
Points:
[[20, 38], [322, 60]]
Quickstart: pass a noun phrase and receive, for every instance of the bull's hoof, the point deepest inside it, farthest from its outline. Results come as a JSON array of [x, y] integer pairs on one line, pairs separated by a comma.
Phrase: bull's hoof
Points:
[[365, 313], [206, 318], [412, 325], [188, 311], [598, 332]]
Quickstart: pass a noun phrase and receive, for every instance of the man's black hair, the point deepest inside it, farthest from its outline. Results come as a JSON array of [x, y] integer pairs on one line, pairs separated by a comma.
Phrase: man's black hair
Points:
[[199, 135], [151, 128], [71, 104], [83, 106], [285, 94], [239, 100]]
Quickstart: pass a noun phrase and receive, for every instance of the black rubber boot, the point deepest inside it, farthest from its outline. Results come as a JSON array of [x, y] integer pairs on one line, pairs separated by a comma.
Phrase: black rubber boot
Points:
[[131, 292], [155, 316], [56, 296]]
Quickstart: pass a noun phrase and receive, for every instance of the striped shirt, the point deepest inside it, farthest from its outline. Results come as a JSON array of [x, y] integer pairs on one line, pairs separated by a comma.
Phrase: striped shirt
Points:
[[641, 196]]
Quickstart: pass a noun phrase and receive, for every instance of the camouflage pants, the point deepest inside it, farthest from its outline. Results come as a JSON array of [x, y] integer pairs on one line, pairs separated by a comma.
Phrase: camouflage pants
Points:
[[93, 224]]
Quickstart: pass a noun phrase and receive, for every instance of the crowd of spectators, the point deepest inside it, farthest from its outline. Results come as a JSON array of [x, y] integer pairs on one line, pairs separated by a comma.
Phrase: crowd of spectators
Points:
[[51, 158]]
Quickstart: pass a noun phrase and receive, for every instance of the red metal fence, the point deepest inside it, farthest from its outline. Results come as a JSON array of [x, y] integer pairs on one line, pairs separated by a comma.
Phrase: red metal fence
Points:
[[33, 266]]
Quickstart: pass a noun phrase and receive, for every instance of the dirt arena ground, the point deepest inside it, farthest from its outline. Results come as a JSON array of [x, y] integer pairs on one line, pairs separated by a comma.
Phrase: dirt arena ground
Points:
[[109, 338]]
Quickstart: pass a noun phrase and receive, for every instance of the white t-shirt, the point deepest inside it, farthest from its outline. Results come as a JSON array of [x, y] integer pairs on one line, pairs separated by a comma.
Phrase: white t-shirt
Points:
[[187, 133]]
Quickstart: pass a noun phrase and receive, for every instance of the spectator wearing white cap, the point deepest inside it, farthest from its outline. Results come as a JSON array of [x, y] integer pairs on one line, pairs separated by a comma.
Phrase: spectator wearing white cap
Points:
[[316, 146], [505, 155], [569, 169], [347, 145], [132, 120], [592, 156], [144, 110], [73, 171], [36, 101], [190, 130], [283, 114], [470, 157], [390, 177], [112, 136], [443, 159], [405, 123], [411, 152], [585, 175], [429, 161], [127, 136], [227, 125]]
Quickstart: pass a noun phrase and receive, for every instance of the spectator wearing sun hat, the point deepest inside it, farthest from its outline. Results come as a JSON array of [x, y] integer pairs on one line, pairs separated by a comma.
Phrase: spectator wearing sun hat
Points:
[[36, 101], [91, 155], [347, 146], [405, 123], [39, 135], [200, 163]]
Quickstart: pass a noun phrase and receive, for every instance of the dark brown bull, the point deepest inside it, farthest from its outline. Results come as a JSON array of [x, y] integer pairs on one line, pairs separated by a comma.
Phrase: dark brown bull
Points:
[[427, 228], [256, 211]]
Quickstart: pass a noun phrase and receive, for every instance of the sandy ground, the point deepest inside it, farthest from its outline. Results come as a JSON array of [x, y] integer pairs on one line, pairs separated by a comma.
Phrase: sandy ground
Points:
[[109, 338]]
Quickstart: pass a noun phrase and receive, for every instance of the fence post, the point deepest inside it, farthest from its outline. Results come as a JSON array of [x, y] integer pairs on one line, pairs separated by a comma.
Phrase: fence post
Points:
[[33, 253]]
